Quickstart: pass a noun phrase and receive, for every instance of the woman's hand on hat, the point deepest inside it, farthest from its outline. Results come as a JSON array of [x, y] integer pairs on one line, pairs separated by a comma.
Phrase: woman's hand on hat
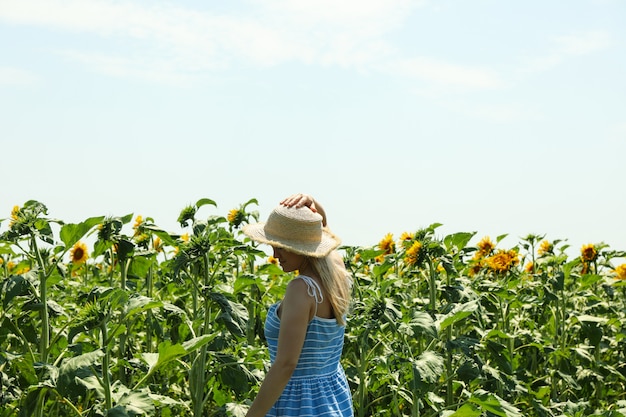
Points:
[[300, 200], [305, 200]]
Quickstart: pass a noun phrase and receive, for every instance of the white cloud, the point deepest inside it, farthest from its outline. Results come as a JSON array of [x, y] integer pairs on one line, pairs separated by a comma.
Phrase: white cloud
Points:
[[497, 112], [500, 113], [180, 45], [364, 16], [565, 47], [347, 33], [584, 43], [266, 33], [15, 76], [446, 74], [157, 70]]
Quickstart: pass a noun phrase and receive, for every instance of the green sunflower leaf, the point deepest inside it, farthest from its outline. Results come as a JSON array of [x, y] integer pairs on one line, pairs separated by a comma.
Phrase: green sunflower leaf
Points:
[[466, 410], [71, 233], [204, 202]]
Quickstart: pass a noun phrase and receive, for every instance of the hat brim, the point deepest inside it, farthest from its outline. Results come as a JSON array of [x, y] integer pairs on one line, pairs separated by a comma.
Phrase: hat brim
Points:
[[319, 249]]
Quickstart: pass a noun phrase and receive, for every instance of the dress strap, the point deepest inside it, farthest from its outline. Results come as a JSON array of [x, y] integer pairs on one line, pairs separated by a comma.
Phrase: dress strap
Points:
[[313, 290]]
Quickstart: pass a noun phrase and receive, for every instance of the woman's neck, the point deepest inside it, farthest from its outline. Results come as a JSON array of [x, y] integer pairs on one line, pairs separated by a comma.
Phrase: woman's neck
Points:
[[308, 271]]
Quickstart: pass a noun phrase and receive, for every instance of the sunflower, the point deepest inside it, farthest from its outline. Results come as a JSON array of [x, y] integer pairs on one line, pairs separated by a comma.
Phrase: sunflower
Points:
[[503, 261], [485, 247], [137, 226], [232, 215], [406, 236], [235, 217], [186, 215], [588, 253], [476, 266], [530, 268], [387, 244], [109, 229], [138, 221], [142, 239], [620, 271], [157, 244], [78, 253], [545, 248], [412, 253], [272, 260], [14, 215]]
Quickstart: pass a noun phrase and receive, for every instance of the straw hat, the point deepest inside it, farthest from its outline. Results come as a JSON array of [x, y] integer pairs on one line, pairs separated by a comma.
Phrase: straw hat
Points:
[[298, 230]]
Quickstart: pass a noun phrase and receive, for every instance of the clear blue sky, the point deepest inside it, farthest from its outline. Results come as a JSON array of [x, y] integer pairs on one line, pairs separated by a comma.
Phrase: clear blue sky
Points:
[[489, 116]]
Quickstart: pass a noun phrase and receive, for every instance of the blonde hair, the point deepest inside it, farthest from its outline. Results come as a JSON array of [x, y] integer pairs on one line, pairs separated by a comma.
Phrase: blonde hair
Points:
[[336, 282]]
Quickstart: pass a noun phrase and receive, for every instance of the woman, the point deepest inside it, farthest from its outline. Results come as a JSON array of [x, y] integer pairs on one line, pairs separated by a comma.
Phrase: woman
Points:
[[305, 330]]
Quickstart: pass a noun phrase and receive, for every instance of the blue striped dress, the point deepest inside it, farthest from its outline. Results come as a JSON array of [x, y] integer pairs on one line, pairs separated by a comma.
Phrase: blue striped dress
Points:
[[318, 386]]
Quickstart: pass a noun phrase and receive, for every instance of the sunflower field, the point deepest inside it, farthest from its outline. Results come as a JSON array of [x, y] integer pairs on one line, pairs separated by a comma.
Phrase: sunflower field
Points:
[[114, 316]]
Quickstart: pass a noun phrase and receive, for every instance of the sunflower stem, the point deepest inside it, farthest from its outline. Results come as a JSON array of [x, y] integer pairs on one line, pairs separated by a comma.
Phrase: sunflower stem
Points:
[[43, 296], [362, 373], [199, 364], [111, 269], [106, 382], [122, 339], [449, 370], [432, 285], [149, 286], [123, 273]]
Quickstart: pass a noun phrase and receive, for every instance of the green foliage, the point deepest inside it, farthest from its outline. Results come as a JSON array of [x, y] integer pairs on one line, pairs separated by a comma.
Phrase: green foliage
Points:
[[162, 324]]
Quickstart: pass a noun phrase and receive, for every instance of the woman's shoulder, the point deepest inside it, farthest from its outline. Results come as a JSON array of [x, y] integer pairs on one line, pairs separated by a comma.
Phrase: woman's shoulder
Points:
[[313, 285], [299, 286], [297, 296], [306, 286], [297, 283]]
